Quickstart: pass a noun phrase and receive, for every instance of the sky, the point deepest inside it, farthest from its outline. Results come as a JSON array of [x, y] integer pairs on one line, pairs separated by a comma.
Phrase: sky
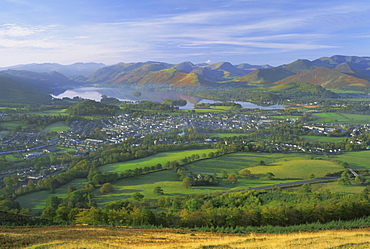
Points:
[[257, 32]]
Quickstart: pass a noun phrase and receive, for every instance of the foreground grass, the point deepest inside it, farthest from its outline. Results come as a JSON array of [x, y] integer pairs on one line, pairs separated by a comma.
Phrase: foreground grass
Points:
[[68, 237]]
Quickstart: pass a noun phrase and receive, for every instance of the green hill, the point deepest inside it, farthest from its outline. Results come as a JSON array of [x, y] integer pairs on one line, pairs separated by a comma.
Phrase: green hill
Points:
[[91, 107], [300, 89], [15, 92], [266, 75]]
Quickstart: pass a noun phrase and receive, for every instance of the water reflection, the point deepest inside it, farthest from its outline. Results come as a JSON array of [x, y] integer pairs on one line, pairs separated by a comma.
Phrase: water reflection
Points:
[[122, 94]]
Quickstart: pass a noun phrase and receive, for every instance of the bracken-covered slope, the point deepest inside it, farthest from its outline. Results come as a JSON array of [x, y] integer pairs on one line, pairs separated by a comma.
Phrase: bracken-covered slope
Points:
[[326, 78], [185, 73], [173, 77], [268, 75], [334, 72]]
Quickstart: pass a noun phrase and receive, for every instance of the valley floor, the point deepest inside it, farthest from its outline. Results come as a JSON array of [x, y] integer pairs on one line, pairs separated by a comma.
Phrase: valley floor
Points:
[[125, 237]]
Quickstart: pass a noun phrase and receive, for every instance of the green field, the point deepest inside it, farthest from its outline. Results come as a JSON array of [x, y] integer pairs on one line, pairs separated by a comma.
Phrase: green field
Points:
[[169, 181], [161, 158], [331, 117], [224, 134], [323, 139], [298, 169], [56, 127], [285, 117], [37, 201], [356, 160], [13, 124], [50, 112], [3, 133], [285, 167], [238, 161], [335, 187]]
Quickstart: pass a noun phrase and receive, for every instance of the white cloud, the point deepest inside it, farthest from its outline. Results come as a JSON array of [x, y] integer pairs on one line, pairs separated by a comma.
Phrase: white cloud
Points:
[[189, 34], [13, 30]]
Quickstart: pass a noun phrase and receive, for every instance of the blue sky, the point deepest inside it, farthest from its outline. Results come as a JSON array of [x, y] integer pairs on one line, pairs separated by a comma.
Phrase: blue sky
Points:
[[271, 32]]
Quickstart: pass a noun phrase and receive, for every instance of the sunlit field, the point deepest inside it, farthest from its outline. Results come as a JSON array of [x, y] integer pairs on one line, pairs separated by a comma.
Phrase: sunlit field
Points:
[[101, 237]]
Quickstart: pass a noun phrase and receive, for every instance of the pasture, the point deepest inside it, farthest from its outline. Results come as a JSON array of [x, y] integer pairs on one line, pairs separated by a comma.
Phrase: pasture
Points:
[[237, 161], [355, 159], [344, 118], [224, 134], [169, 181], [56, 127], [161, 158], [323, 139], [50, 112], [37, 201], [285, 117], [3, 133], [13, 124], [297, 169]]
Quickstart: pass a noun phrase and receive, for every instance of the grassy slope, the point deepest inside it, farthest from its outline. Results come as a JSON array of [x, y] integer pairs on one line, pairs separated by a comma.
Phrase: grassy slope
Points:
[[342, 118], [37, 201], [323, 139], [171, 185], [56, 127], [285, 167], [123, 237], [161, 158], [356, 160]]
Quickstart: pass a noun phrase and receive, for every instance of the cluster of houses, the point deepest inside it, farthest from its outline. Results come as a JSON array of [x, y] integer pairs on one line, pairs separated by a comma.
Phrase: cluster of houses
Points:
[[30, 173], [120, 128]]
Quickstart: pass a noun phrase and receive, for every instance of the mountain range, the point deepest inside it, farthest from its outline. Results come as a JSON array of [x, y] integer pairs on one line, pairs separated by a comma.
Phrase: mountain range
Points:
[[336, 72]]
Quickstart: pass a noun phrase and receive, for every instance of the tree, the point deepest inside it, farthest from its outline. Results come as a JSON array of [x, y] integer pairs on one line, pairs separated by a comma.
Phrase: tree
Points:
[[187, 182], [137, 196], [245, 173], [306, 188], [158, 190], [359, 179], [71, 188], [345, 179], [53, 202], [54, 183], [232, 178], [262, 163], [31, 184], [224, 174], [48, 213], [311, 176], [106, 188], [270, 176]]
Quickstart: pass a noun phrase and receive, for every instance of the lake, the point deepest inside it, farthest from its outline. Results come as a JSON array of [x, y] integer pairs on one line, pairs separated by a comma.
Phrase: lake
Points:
[[95, 93]]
